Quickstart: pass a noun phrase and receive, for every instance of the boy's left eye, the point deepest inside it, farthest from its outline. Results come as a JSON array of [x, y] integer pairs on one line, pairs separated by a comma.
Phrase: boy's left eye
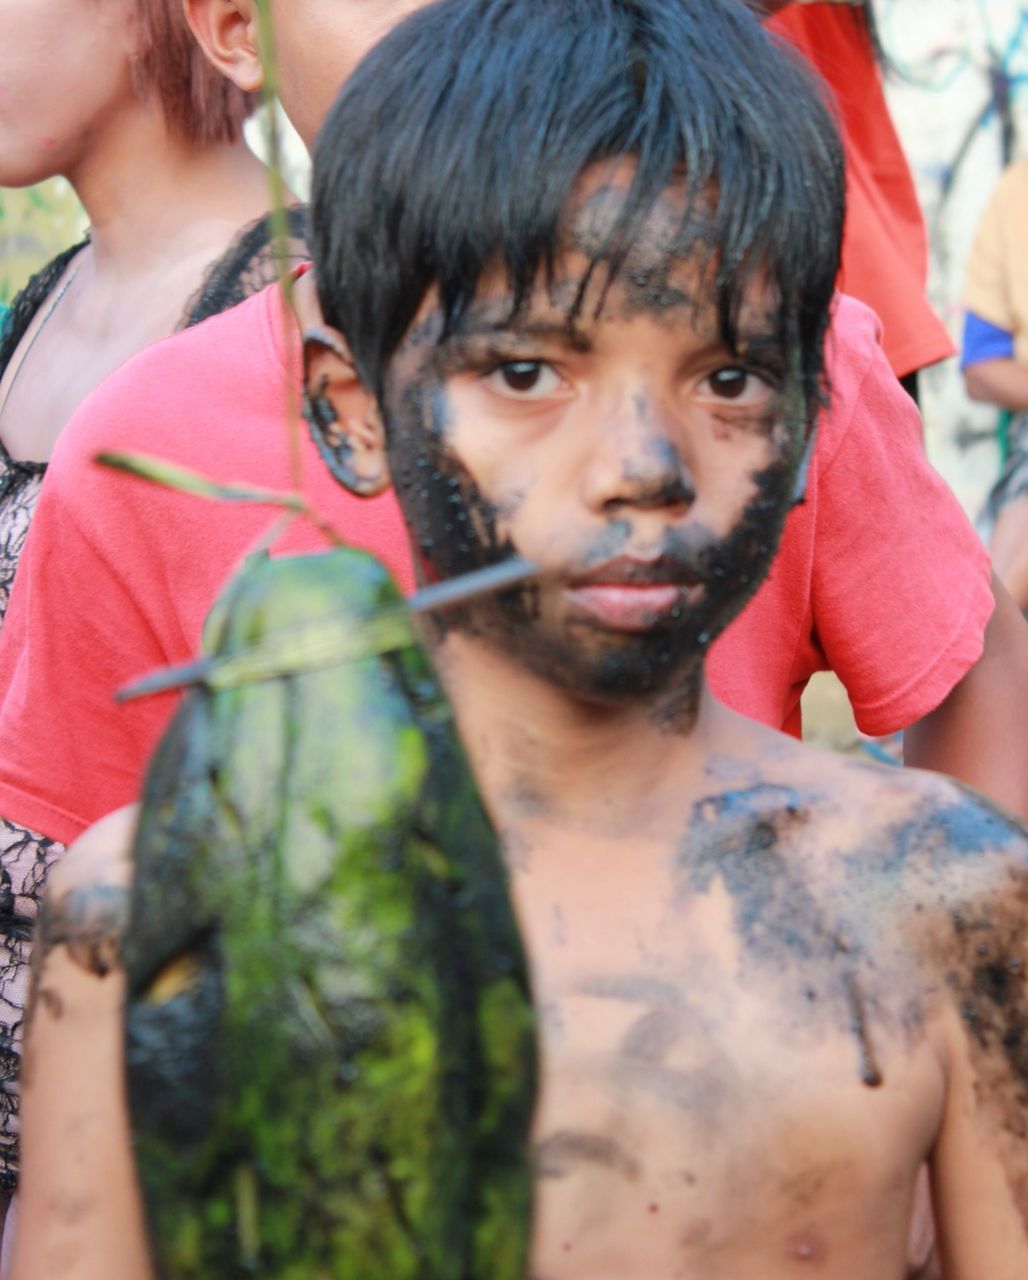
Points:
[[524, 379], [735, 383]]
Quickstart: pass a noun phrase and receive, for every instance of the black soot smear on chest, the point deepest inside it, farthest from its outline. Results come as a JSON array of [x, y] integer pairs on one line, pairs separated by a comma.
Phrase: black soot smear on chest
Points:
[[747, 839]]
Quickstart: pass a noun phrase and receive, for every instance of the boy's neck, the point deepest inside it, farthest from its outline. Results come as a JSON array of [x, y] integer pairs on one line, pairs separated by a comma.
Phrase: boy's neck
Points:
[[544, 756]]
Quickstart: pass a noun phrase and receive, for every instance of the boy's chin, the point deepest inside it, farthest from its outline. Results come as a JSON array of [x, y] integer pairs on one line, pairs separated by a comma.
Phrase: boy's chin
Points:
[[606, 667], [636, 668]]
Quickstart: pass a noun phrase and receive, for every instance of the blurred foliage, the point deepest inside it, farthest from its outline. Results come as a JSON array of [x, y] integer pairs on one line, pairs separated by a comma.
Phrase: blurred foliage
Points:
[[35, 224]]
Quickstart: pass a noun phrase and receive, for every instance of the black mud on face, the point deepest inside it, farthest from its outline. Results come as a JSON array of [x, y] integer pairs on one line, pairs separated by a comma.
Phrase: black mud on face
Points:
[[454, 526], [457, 529], [649, 267], [732, 568]]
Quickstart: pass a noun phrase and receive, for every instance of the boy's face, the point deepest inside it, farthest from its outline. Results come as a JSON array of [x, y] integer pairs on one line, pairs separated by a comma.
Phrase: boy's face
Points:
[[643, 466]]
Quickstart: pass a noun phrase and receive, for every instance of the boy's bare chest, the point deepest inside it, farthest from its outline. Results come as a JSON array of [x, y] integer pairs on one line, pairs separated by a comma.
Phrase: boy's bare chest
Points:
[[706, 1071]]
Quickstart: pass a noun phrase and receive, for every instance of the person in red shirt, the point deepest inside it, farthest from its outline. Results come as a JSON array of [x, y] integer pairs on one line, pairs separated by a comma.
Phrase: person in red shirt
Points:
[[884, 247]]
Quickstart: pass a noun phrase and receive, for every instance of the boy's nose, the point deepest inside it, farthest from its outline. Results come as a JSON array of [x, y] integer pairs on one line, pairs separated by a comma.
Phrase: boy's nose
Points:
[[634, 461]]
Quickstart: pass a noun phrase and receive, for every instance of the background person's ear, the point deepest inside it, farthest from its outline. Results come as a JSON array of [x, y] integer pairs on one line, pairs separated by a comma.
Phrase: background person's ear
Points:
[[343, 415], [227, 31]]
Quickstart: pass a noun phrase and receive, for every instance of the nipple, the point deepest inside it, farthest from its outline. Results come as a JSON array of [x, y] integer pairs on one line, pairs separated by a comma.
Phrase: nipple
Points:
[[808, 1248]]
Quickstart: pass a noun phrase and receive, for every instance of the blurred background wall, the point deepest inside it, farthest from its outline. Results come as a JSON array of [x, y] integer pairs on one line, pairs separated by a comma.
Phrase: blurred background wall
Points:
[[35, 224], [958, 90]]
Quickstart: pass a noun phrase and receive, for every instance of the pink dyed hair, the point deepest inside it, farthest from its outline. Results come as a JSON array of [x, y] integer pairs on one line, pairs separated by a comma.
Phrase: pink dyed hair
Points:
[[199, 103]]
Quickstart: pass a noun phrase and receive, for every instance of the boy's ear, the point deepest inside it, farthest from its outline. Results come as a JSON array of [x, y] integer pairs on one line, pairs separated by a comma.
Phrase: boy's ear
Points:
[[227, 31], [343, 415]]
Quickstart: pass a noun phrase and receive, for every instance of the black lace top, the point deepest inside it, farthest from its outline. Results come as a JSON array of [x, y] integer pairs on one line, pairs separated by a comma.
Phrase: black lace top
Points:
[[250, 263], [20, 481]]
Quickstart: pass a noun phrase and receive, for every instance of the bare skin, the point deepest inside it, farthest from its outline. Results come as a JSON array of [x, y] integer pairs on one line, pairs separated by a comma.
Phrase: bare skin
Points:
[[74, 1054], [977, 733], [162, 208], [317, 45], [322, 42], [634, 762], [1010, 549], [749, 1045], [773, 983], [1002, 382], [1005, 383], [808, 1043]]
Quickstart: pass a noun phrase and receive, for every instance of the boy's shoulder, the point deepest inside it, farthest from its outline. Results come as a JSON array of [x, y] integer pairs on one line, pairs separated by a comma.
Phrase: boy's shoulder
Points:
[[936, 874], [905, 878], [908, 820], [890, 843]]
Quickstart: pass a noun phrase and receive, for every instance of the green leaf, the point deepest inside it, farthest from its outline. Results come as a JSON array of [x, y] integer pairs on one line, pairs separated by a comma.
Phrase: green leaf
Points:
[[184, 480]]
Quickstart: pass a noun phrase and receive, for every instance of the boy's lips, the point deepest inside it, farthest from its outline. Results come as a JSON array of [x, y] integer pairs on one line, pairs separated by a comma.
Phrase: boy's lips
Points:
[[634, 595]]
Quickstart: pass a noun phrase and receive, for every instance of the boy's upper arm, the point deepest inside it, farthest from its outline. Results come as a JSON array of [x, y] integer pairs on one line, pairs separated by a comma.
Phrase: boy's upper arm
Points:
[[78, 1197], [86, 896], [980, 1174], [980, 1159]]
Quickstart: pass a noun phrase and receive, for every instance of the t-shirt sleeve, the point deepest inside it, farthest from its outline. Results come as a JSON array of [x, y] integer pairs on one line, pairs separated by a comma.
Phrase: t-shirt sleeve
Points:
[[986, 285], [984, 341], [118, 575], [901, 583], [74, 634]]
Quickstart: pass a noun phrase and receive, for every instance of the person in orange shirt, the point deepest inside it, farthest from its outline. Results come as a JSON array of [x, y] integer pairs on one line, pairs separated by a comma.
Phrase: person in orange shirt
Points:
[[884, 247]]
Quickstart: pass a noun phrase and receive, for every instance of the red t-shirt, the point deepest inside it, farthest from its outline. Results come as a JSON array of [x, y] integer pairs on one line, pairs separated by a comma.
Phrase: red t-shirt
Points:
[[879, 577], [879, 574], [884, 250]]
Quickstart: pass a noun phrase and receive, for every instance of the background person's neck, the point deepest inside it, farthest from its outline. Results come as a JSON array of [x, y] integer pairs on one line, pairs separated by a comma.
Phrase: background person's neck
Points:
[[148, 192]]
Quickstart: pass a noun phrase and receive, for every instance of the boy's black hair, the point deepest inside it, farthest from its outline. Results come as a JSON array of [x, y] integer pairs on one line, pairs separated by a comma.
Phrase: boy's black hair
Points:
[[459, 141], [874, 34]]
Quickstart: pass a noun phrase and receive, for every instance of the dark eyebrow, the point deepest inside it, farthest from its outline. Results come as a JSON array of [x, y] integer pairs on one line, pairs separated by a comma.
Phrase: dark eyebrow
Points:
[[758, 342], [557, 329], [494, 319]]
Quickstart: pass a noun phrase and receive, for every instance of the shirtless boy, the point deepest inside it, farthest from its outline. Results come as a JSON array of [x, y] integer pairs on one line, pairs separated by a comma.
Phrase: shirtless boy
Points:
[[771, 982]]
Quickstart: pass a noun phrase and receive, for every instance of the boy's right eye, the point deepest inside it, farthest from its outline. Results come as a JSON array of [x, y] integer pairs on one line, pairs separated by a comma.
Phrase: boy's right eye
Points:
[[524, 379]]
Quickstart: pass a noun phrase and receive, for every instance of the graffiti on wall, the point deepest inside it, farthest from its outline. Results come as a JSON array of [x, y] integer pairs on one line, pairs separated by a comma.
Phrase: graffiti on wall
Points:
[[958, 90]]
